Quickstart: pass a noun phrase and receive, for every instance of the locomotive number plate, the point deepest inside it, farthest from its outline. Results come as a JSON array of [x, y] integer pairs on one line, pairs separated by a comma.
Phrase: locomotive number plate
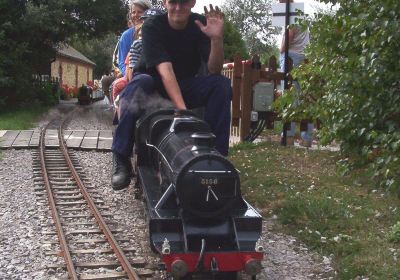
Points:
[[209, 181]]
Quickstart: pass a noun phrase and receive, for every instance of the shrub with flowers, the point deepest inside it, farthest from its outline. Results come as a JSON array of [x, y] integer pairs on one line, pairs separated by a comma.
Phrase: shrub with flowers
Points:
[[92, 85], [67, 92]]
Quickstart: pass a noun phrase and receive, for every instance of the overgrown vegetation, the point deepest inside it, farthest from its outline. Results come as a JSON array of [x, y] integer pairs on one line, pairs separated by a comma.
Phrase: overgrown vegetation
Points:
[[346, 217], [351, 84]]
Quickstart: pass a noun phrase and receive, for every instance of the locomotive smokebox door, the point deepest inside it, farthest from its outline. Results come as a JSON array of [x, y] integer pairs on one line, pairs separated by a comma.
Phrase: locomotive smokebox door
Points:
[[263, 97]]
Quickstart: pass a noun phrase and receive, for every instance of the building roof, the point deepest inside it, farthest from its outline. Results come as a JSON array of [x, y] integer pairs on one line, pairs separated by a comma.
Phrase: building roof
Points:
[[68, 51]]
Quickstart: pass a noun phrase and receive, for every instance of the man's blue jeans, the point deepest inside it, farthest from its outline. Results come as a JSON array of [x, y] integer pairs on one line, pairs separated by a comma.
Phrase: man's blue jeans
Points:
[[213, 92]]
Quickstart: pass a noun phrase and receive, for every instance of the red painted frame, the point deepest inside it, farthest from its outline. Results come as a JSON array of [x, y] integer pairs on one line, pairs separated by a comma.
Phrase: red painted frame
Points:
[[231, 261]]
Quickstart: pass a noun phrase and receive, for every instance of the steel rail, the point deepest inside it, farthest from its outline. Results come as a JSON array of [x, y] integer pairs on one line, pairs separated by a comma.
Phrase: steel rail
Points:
[[131, 274], [60, 233]]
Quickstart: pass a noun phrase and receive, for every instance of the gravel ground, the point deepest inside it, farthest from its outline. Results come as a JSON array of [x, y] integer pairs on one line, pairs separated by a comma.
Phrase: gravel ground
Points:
[[21, 249], [20, 245]]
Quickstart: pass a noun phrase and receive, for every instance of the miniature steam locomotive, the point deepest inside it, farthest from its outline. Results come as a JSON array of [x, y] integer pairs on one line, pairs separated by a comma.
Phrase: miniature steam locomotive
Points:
[[198, 220]]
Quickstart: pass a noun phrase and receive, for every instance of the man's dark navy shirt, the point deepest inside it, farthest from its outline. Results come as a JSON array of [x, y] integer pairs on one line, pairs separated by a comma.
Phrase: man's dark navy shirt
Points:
[[186, 49]]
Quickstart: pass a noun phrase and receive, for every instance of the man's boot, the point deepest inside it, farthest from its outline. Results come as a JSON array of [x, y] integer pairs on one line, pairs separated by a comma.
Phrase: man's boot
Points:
[[121, 172]]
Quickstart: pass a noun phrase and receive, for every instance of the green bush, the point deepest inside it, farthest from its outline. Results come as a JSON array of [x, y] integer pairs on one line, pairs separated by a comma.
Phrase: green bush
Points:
[[351, 84], [46, 93]]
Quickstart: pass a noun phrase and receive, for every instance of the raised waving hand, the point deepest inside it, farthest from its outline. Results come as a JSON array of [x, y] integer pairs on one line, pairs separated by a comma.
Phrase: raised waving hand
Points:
[[214, 27]]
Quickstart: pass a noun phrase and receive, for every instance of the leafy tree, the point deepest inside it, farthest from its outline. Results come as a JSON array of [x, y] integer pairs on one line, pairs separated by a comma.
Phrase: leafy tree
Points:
[[351, 84], [253, 20], [99, 50], [12, 68], [233, 42], [30, 30]]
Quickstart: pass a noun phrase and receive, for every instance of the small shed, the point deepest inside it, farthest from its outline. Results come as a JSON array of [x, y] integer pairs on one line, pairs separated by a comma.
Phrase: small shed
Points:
[[71, 67]]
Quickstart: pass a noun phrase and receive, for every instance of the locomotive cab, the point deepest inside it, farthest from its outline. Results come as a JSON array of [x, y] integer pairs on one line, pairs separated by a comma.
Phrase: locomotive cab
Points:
[[197, 214]]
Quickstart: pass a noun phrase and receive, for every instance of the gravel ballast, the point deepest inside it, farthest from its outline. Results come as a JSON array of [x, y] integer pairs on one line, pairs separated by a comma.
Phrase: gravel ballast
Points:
[[20, 245]]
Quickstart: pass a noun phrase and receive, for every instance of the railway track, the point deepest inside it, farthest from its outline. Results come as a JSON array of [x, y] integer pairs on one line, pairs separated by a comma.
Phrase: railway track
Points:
[[82, 236]]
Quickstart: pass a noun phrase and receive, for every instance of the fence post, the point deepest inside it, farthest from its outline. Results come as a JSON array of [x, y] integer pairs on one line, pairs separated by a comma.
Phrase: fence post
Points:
[[256, 68], [236, 85], [246, 89], [272, 68]]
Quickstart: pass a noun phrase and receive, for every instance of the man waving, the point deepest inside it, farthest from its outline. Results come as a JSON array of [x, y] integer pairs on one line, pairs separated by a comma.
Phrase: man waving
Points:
[[182, 59]]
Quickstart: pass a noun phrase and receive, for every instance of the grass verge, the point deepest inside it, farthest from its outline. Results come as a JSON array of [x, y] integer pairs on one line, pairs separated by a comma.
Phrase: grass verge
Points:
[[21, 118], [345, 217]]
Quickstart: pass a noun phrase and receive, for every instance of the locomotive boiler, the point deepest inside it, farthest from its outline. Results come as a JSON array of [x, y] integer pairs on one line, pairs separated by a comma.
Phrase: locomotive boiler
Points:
[[198, 219]]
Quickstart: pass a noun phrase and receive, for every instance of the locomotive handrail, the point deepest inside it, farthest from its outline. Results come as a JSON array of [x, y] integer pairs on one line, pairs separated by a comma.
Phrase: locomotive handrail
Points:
[[164, 197], [158, 150], [176, 120], [200, 262], [170, 111], [210, 171]]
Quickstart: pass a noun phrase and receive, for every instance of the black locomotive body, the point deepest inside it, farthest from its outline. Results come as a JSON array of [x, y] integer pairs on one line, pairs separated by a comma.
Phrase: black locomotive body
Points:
[[85, 95], [198, 220]]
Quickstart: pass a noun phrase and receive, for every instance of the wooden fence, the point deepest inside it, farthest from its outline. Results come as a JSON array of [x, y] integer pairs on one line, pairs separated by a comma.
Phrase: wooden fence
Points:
[[41, 79], [244, 75]]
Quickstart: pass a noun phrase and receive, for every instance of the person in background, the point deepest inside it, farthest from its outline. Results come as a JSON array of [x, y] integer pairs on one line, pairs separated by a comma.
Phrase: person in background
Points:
[[137, 9], [121, 83], [106, 80], [175, 45], [129, 22], [298, 40], [115, 58]]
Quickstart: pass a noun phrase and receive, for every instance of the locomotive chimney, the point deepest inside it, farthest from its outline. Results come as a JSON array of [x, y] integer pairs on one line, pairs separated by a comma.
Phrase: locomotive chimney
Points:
[[206, 139]]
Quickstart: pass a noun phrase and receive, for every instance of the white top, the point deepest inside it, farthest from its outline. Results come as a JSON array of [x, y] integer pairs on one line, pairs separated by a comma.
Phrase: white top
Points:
[[300, 40]]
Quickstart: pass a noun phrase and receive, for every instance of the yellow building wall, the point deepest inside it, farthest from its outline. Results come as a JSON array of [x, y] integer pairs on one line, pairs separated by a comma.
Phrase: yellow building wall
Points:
[[54, 69], [73, 73]]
